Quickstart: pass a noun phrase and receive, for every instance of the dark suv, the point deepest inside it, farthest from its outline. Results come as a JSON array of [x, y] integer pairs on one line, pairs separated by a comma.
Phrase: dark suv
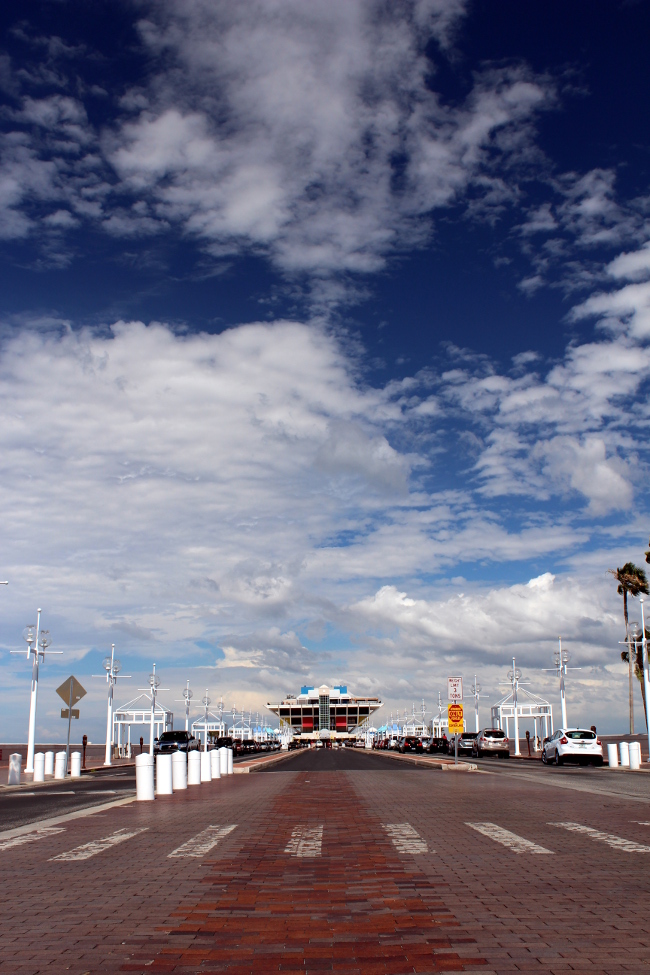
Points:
[[175, 741]]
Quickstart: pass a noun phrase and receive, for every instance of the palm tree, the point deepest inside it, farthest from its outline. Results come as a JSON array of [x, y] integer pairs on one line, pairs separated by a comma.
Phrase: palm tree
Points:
[[631, 579]]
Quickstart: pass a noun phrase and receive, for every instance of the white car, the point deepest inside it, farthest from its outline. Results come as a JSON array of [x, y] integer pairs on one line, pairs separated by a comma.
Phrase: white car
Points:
[[573, 745]]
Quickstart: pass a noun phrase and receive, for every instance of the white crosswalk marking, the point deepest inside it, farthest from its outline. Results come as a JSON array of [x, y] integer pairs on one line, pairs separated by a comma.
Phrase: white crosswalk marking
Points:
[[617, 842], [518, 844], [88, 850], [202, 843], [405, 839], [37, 834], [306, 841]]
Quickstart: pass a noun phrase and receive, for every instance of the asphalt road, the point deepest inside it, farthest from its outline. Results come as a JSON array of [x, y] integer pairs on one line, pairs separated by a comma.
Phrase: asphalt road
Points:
[[339, 760], [22, 806]]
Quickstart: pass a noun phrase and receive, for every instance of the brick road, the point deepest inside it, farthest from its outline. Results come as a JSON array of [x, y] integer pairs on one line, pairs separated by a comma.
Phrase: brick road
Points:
[[311, 880]]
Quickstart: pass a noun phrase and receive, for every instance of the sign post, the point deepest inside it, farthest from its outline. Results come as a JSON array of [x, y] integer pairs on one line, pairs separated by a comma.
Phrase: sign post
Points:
[[455, 724], [70, 692]]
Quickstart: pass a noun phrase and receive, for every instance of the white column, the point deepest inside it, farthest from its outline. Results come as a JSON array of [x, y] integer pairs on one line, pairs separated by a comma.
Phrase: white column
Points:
[[646, 672], [563, 694], [109, 723], [152, 725], [514, 695], [31, 735]]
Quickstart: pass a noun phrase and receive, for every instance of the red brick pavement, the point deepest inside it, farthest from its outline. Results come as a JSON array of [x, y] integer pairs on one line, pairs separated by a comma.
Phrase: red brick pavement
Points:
[[466, 904]]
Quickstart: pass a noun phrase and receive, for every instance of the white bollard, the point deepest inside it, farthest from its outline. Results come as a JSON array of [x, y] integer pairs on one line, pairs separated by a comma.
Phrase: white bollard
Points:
[[635, 756], [194, 768], [60, 771], [39, 767], [164, 785], [15, 761], [612, 755], [75, 765], [206, 774], [215, 764], [179, 771], [229, 750], [223, 760], [144, 777], [624, 749], [49, 763]]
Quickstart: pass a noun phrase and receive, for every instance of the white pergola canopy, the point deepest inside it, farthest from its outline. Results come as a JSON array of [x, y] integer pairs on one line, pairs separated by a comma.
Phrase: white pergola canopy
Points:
[[138, 712], [214, 726], [530, 707]]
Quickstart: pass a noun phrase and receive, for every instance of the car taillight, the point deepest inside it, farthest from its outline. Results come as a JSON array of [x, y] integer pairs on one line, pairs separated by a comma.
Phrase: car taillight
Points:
[[505, 741], [564, 741], [598, 741]]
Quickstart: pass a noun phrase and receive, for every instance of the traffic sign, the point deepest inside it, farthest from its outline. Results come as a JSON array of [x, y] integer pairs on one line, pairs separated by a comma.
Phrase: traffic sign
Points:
[[455, 719], [454, 688], [65, 713], [64, 691]]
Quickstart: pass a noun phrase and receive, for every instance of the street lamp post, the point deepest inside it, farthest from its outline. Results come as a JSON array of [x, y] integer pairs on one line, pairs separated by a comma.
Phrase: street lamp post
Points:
[[206, 704], [514, 679], [646, 672], [112, 668], [476, 690], [187, 697], [154, 687], [37, 641]]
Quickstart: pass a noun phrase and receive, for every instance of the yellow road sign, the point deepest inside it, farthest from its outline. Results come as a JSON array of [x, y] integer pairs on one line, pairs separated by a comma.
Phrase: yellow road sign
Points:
[[455, 719], [64, 691]]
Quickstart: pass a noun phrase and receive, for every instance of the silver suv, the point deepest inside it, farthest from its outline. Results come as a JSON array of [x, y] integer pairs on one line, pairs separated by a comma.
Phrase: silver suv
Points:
[[491, 741]]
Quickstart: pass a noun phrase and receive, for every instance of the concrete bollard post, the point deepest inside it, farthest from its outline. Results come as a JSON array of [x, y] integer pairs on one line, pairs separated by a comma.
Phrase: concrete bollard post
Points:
[[624, 750], [635, 756], [75, 765], [206, 774], [229, 750], [144, 777], [612, 755], [215, 764], [179, 771], [15, 761], [60, 771], [164, 785], [39, 767], [49, 763], [223, 760], [194, 768]]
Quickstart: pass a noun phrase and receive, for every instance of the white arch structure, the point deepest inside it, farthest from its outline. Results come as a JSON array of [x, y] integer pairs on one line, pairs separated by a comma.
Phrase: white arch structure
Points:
[[138, 712], [530, 707]]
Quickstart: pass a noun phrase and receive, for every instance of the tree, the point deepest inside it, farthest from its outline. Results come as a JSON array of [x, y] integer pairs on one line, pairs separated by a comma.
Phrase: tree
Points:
[[631, 579]]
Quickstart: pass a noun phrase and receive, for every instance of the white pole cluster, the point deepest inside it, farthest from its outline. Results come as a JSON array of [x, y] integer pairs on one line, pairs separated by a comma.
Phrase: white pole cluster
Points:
[[37, 641]]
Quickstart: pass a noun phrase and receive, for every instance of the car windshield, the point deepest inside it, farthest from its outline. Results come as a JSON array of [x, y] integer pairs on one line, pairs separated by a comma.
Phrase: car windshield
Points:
[[494, 734], [580, 735], [173, 736]]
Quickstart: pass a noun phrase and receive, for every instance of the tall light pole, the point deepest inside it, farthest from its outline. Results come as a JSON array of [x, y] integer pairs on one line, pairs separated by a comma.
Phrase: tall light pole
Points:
[[514, 679], [476, 690], [206, 704], [112, 668], [37, 641], [187, 697], [561, 658], [646, 673], [154, 687]]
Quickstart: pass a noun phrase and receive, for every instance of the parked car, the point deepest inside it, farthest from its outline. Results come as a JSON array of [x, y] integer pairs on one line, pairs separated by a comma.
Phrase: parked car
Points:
[[224, 742], [491, 741], [466, 742], [573, 745], [410, 743], [435, 744], [175, 741]]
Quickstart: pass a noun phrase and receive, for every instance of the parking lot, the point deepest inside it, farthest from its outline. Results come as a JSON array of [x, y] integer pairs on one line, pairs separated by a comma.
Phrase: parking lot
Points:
[[342, 860]]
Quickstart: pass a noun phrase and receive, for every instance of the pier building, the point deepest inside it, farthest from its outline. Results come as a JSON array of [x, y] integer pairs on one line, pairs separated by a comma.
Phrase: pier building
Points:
[[324, 712]]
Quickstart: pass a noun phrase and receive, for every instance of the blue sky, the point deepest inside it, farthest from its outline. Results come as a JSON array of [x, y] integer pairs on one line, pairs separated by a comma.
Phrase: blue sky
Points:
[[323, 343]]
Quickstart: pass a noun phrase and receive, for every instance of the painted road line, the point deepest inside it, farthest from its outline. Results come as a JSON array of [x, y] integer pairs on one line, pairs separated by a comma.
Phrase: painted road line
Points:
[[87, 850], [202, 843], [518, 844], [37, 834], [616, 842], [306, 841], [90, 810], [405, 839]]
